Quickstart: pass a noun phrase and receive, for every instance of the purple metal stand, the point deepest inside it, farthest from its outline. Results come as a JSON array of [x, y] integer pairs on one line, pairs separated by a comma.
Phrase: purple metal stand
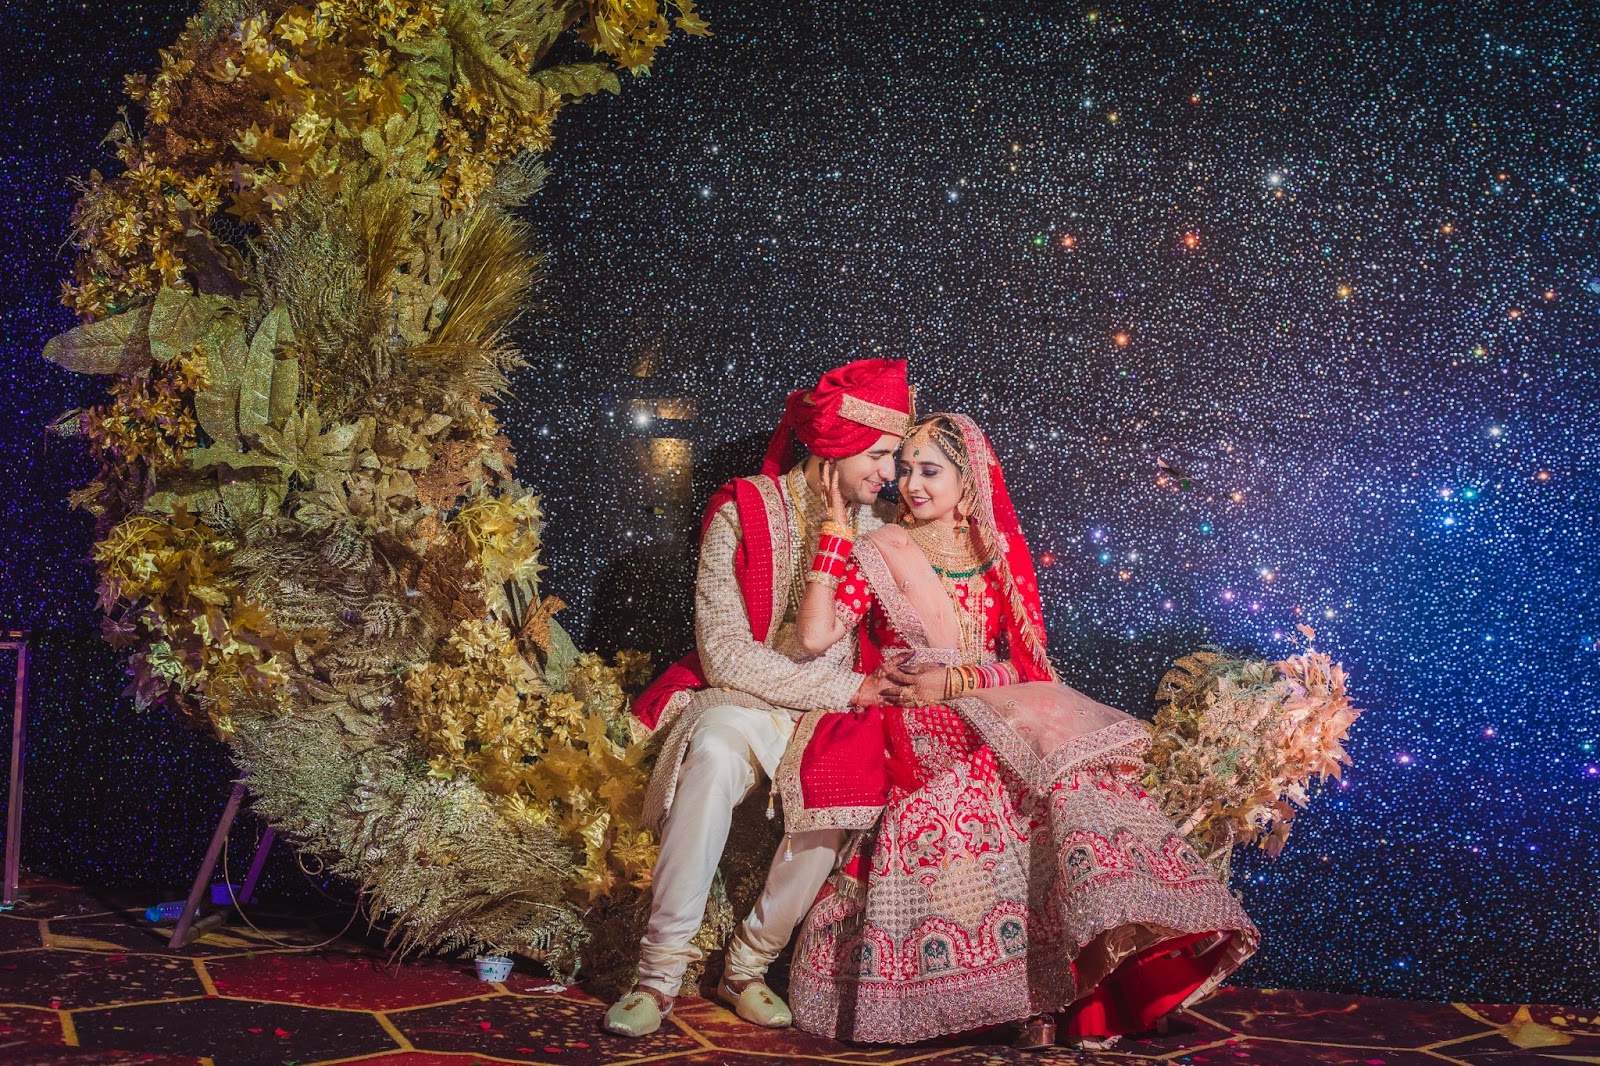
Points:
[[202, 878], [185, 931], [17, 641], [257, 864]]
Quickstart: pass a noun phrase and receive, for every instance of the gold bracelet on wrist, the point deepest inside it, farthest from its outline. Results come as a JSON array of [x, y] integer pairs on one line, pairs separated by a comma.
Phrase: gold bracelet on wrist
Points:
[[830, 528], [822, 577]]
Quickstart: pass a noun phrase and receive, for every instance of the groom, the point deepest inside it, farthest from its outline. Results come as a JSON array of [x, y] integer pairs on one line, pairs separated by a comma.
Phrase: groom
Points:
[[726, 714]]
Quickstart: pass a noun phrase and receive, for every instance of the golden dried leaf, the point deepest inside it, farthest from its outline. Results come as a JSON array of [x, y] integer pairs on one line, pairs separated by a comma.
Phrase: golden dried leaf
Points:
[[116, 345]]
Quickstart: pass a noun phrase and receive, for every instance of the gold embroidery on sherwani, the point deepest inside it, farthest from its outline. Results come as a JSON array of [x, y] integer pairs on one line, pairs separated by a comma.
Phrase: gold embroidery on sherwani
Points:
[[742, 671]]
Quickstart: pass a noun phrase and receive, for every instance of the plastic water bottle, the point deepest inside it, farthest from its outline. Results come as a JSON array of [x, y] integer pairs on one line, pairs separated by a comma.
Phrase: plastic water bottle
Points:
[[170, 911], [221, 896]]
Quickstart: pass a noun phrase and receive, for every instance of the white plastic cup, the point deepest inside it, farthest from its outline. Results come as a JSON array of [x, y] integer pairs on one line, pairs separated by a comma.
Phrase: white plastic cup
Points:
[[494, 967]]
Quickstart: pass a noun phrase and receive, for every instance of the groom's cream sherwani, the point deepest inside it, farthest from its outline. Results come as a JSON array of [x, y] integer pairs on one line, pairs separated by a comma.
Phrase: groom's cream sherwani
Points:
[[719, 742]]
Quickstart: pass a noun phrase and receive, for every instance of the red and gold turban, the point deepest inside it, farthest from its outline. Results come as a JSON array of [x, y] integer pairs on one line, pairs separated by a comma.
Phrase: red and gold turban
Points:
[[851, 407]]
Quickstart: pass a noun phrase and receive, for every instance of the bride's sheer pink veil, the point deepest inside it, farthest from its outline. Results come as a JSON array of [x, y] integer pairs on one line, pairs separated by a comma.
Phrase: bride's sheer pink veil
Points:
[[998, 536]]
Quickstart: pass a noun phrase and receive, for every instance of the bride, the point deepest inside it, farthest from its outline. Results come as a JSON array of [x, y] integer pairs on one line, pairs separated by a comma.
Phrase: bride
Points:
[[1019, 871]]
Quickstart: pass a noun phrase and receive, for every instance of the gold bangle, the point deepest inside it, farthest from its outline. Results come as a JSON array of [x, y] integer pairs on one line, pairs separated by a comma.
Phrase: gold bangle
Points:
[[822, 577], [830, 528]]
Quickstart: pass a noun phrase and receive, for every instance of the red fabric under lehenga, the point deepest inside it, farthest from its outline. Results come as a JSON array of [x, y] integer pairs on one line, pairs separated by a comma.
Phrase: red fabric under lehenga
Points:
[[1019, 867]]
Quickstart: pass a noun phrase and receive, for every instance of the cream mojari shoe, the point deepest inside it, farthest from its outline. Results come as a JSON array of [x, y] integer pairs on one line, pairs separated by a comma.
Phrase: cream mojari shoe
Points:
[[756, 1004], [638, 1013]]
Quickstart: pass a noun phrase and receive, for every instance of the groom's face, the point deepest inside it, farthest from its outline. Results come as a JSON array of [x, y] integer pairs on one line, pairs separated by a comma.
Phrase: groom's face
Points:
[[863, 475]]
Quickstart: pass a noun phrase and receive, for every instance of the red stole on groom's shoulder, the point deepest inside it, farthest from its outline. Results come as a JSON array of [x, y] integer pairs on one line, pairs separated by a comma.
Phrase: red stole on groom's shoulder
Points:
[[836, 772], [752, 569]]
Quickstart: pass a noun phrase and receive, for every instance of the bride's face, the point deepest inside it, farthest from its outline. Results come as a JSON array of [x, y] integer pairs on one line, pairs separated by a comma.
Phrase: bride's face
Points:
[[929, 482]]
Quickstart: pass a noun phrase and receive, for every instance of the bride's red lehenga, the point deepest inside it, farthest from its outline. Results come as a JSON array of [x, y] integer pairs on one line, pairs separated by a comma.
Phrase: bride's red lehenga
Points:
[[1019, 866]]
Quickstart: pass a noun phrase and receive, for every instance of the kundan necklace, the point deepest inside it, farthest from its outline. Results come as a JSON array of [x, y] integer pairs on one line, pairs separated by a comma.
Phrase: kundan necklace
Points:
[[949, 553], [952, 561]]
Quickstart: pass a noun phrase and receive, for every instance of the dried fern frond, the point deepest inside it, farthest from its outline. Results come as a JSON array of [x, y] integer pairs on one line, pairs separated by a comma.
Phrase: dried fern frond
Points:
[[516, 181], [1190, 674], [311, 259], [479, 369]]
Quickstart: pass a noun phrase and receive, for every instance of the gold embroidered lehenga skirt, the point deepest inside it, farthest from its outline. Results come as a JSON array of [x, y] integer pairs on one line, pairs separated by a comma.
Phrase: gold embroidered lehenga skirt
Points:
[[1002, 882]]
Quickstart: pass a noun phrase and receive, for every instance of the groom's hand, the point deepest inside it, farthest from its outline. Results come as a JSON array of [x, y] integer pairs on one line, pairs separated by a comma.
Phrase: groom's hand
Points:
[[919, 685], [876, 688]]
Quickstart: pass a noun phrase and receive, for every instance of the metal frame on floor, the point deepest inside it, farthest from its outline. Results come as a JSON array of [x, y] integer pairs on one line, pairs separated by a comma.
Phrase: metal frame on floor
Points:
[[185, 930], [15, 640]]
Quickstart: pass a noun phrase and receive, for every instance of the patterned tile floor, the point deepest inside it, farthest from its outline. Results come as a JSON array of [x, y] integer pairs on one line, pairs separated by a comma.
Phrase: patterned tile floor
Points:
[[84, 980]]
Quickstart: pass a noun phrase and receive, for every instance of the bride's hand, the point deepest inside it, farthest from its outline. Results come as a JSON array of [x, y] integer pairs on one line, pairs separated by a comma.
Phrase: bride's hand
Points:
[[877, 689], [832, 495], [920, 685]]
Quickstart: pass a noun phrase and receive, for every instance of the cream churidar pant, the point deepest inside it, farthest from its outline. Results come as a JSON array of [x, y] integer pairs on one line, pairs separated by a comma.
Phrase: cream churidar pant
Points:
[[733, 748]]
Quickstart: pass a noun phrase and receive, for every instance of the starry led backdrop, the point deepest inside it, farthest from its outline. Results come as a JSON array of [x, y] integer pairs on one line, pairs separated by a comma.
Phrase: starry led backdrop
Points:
[[1276, 315]]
